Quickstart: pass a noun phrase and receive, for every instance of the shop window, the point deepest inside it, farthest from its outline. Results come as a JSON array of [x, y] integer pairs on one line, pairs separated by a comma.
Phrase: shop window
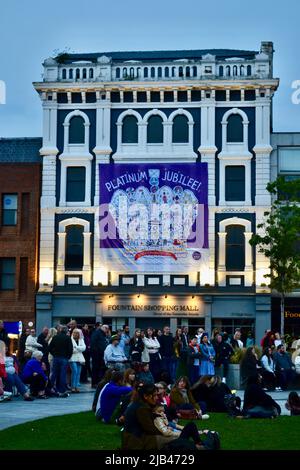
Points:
[[76, 130], [180, 132], [75, 184], [155, 133], [7, 273], [235, 248], [235, 132], [235, 183], [130, 130], [9, 209], [74, 248]]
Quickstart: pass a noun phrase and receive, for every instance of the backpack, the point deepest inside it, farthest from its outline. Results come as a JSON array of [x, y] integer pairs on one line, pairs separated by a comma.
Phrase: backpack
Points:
[[231, 405], [212, 441]]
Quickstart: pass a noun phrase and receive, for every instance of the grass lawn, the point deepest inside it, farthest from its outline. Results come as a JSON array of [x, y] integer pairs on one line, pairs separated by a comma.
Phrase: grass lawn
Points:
[[82, 432]]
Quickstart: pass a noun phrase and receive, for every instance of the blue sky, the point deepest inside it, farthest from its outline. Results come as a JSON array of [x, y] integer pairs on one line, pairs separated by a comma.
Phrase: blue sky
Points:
[[31, 31]]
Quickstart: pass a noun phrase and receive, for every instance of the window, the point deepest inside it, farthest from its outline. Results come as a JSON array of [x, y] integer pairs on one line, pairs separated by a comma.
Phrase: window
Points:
[[180, 72], [154, 96], [152, 72], [77, 74], [195, 71], [7, 273], [155, 133], [235, 131], [76, 130], [227, 71], [74, 248], [196, 95], [118, 72], [180, 132], [235, 95], [141, 97], [235, 248], [128, 97], [130, 130], [242, 70], [64, 74], [124, 72], [84, 73], [235, 183], [9, 209], [187, 72], [131, 72], [235, 70], [182, 96], [173, 71], [71, 74], [75, 184], [221, 71], [248, 70], [167, 73], [159, 72], [146, 72], [91, 73], [289, 160]]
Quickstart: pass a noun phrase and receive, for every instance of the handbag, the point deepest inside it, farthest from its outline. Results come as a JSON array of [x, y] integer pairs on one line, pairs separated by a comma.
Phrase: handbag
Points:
[[187, 414]]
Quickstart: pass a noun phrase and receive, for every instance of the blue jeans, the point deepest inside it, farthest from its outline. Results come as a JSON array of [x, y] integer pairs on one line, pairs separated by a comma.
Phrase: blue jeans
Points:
[[59, 373], [76, 370], [169, 364], [13, 380]]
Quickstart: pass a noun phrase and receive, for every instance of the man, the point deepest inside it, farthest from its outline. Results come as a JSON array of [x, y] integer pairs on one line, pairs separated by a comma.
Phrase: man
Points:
[[223, 353], [125, 340], [114, 356], [236, 342], [194, 356], [284, 366], [185, 342], [98, 345], [42, 340], [32, 343], [3, 334], [167, 353], [110, 396], [61, 348]]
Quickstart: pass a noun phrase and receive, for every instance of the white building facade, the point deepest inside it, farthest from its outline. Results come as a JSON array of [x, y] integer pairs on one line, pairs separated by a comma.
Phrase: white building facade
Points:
[[167, 109]]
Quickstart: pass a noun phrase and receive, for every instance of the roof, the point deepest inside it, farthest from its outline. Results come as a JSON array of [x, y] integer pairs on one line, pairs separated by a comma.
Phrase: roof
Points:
[[160, 55], [20, 150]]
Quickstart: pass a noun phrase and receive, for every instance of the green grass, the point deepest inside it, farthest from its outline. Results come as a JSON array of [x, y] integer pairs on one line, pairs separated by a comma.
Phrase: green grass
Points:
[[82, 432]]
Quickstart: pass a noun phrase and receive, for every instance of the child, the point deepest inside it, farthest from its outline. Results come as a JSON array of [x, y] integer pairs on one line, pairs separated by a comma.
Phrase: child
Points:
[[162, 424], [293, 404]]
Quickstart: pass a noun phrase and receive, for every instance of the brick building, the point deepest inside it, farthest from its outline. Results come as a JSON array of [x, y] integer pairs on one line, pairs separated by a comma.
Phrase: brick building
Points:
[[19, 227]]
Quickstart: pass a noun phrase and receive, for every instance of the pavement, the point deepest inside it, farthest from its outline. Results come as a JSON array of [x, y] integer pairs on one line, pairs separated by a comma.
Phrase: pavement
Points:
[[18, 411]]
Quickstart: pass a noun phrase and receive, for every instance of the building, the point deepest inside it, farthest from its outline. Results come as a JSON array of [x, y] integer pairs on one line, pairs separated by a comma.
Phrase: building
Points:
[[157, 126], [285, 161], [20, 169]]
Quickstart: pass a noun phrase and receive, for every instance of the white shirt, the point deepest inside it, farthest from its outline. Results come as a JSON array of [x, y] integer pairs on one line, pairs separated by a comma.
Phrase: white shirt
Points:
[[152, 345]]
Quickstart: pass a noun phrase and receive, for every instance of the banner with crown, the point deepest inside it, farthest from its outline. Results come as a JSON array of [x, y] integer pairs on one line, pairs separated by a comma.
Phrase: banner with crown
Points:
[[153, 217]]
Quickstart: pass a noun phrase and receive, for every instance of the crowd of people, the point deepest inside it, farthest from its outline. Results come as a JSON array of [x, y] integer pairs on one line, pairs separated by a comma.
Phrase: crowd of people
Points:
[[148, 380]]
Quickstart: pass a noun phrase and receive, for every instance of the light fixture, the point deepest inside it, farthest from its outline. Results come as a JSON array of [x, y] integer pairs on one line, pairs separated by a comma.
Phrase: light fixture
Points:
[[138, 296], [166, 296], [193, 296]]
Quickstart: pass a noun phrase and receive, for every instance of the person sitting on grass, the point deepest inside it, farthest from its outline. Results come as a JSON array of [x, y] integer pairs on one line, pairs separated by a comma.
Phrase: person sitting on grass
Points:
[[257, 403], [12, 378], [145, 374], [34, 375], [104, 381], [163, 398], [293, 404], [110, 397], [212, 391], [182, 398]]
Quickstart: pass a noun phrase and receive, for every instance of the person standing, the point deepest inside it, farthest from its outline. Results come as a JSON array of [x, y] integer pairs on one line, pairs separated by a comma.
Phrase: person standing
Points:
[[61, 348], [194, 356], [152, 345], [42, 339], [21, 347], [284, 366], [99, 343], [86, 367], [223, 352], [125, 340], [77, 359], [3, 334], [207, 356], [136, 347], [167, 352], [32, 343], [236, 342]]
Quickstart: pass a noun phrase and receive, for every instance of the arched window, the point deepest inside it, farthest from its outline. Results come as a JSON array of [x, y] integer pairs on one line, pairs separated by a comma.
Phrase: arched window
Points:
[[195, 71], [146, 72], [138, 72], [221, 71], [152, 72], [130, 130], [187, 72], [155, 133], [84, 73], [76, 130], [64, 74], [167, 72], [118, 72], [242, 70], [173, 71], [235, 248], [235, 131], [91, 73], [159, 72], [131, 72], [71, 74], [227, 70], [77, 76], [234, 70], [74, 248], [180, 72], [124, 72], [248, 70], [180, 131]]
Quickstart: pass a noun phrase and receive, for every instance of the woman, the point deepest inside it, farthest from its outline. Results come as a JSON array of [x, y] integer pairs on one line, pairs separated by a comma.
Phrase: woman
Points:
[[162, 396], [77, 359], [86, 367], [21, 347], [180, 355], [257, 404], [129, 378], [136, 347], [144, 375], [152, 345], [207, 356], [32, 342], [34, 375], [52, 332], [268, 369], [212, 391], [249, 365], [182, 397], [293, 404], [12, 378], [199, 334]]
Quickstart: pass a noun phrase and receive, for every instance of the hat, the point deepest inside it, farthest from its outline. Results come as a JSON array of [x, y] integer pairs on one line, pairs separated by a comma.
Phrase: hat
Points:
[[114, 337]]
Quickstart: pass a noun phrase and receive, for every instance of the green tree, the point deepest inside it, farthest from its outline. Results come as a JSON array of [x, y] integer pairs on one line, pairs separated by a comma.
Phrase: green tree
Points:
[[279, 239]]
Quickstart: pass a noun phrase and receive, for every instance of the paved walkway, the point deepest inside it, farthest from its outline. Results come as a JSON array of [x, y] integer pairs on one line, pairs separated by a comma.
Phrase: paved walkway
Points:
[[19, 411]]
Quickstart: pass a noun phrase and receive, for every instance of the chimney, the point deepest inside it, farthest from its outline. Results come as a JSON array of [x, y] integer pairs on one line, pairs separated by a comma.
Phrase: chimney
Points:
[[267, 48]]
